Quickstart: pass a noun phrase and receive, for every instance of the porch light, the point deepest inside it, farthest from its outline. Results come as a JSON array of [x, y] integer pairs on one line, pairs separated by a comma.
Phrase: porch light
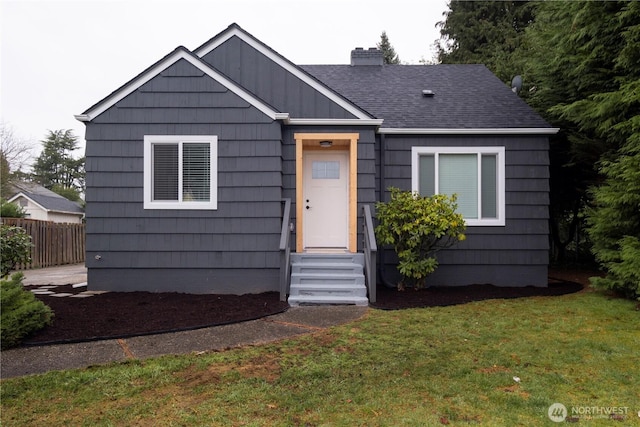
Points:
[[326, 144]]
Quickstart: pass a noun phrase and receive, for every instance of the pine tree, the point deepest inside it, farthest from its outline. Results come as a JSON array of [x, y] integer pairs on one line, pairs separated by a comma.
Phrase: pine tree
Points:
[[484, 32], [55, 167], [388, 52]]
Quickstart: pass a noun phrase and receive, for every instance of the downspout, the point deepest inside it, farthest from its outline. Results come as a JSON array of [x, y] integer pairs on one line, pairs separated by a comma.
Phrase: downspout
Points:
[[381, 190]]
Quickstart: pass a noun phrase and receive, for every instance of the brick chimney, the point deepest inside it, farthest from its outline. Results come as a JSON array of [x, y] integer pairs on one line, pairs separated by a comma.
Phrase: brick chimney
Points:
[[372, 56]]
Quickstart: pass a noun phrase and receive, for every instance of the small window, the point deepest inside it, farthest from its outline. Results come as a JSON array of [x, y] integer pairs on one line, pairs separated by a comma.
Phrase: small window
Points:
[[180, 172], [325, 170], [474, 174]]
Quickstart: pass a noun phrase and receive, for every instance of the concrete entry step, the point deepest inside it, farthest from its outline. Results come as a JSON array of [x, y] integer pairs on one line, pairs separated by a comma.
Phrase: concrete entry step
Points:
[[327, 278], [297, 301]]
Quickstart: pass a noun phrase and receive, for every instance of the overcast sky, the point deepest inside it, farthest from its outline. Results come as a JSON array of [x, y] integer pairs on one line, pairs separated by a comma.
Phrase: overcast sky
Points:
[[60, 57]]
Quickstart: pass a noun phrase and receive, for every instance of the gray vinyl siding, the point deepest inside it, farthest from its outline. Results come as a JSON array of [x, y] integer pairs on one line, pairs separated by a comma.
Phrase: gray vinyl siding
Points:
[[233, 249], [366, 166], [513, 255], [272, 83]]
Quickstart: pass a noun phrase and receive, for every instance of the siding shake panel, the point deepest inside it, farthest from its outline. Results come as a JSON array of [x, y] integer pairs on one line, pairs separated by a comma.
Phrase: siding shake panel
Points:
[[200, 251], [523, 241]]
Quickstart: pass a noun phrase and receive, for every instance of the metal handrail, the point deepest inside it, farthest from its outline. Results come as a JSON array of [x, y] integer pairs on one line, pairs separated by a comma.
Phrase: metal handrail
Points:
[[370, 253], [285, 249]]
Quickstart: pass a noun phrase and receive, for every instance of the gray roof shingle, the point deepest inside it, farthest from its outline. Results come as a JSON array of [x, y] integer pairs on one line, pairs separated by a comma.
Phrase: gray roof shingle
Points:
[[466, 96], [46, 198]]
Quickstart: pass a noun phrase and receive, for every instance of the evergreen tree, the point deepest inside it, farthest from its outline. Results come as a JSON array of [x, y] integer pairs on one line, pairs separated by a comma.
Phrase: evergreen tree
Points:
[[612, 113], [484, 32], [614, 223], [55, 167], [582, 64], [388, 52]]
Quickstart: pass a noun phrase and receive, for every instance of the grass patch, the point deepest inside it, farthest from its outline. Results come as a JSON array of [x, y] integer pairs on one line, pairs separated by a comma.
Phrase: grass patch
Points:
[[433, 366]]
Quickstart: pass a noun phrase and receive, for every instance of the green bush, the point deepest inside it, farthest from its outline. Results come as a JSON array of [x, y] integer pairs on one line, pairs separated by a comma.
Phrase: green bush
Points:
[[15, 247], [11, 210], [418, 227], [21, 313], [614, 223]]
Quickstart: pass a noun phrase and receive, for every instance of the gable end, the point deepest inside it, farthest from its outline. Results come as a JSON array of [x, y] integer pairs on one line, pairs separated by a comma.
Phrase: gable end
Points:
[[235, 31], [161, 66]]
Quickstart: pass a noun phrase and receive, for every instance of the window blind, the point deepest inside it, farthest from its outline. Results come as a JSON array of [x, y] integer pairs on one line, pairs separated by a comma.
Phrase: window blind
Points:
[[458, 173], [196, 178], [165, 171]]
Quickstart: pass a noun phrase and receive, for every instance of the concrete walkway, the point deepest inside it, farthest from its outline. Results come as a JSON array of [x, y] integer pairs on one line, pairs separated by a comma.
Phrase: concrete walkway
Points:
[[40, 359], [60, 275]]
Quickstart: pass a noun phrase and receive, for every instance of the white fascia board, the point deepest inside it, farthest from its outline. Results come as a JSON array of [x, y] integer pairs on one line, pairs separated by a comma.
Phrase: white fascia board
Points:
[[282, 116], [161, 66], [17, 196], [474, 131], [66, 212], [203, 50], [334, 122]]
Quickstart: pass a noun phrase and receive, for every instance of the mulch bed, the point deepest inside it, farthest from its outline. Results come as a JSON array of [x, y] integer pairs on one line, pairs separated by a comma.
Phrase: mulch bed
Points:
[[124, 314], [392, 299]]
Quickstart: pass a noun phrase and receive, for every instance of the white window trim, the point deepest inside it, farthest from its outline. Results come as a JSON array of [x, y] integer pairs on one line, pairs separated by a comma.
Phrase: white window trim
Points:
[[416, 152], [150, 140]]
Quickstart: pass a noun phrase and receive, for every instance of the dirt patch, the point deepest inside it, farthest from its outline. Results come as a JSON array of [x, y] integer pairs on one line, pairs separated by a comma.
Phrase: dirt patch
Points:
[[264, 367]]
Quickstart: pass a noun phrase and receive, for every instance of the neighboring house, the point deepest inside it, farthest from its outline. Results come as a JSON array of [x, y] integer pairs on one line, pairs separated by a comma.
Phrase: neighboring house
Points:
[[189, 162], [45, 205]]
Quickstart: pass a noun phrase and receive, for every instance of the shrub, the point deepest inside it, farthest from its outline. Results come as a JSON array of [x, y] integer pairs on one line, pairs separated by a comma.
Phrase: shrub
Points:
[[418, 227], [21, 313], [614, 224], [11, 210], [15, 248]]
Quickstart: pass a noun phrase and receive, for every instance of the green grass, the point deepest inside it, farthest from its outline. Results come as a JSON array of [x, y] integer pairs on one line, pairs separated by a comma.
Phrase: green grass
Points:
[[421, 367]]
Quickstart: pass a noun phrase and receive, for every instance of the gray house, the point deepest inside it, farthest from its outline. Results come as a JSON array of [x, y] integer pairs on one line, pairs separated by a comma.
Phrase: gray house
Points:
[[229, 169]]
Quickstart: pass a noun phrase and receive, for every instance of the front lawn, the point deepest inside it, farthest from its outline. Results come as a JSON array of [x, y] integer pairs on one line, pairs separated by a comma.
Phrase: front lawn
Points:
[[498, 362]]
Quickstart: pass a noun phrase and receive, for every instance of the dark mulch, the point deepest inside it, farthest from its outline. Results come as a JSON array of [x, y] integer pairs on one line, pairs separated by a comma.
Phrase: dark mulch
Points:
[[123, 314], [392, 299]]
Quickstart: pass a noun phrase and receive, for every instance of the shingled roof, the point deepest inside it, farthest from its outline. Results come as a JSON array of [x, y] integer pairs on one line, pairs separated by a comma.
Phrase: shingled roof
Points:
[[464, 96], [46, 198]]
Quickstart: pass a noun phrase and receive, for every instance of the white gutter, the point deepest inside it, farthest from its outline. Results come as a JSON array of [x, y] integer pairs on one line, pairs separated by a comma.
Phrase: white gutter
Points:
[[334, 122], [470, 131]]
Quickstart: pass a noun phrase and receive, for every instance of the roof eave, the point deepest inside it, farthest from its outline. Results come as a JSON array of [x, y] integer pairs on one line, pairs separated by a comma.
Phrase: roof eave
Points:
[[41, 206], [470, 131], [333, 122], [26, 196], [157, 68]]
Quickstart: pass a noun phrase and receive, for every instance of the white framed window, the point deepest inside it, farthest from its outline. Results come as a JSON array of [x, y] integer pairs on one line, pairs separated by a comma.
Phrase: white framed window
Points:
[[180, 172], [475, 174]]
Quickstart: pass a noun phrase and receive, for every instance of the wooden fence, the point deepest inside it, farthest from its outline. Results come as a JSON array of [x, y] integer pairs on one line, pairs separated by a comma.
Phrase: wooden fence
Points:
[[53, 243]]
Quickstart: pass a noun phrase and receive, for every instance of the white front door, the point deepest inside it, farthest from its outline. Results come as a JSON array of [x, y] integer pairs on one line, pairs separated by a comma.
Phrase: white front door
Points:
[[326, 200]]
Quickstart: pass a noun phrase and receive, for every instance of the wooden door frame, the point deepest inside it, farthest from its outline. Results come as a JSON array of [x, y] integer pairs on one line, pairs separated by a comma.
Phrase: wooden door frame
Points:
[[340, 141]]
